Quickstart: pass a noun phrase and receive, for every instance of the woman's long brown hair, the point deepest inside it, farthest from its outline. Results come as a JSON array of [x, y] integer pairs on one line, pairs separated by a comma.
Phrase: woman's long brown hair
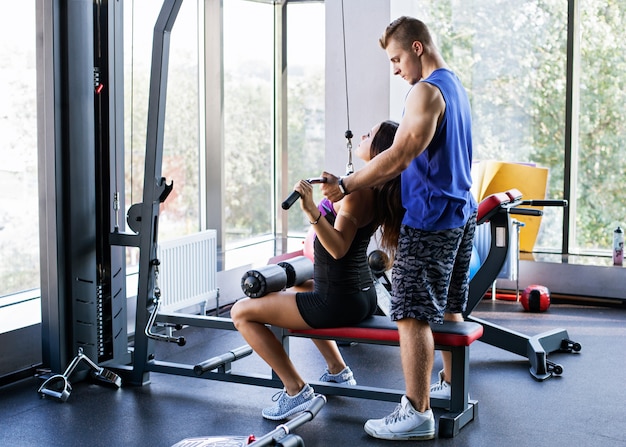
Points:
[[389, 209]]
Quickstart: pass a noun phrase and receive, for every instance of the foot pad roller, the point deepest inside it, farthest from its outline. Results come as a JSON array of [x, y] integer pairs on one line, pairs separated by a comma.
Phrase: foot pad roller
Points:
[[276, 277]]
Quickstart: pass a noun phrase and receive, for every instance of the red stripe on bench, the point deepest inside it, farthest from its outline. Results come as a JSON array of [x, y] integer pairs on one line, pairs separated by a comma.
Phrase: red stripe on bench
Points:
[[380, 328]]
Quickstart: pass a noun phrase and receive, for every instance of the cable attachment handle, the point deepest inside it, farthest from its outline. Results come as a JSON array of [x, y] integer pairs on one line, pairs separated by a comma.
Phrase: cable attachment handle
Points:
[[155, 302], [349, 165]]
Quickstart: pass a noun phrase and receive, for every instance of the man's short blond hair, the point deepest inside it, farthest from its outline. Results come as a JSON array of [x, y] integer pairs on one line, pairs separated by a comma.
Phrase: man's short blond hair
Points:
[[406, 30]]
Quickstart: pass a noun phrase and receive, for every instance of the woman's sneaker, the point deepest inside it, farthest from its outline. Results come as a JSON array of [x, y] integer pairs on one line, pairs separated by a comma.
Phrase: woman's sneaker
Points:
[[404, 424], [287, 405], [345, 377]]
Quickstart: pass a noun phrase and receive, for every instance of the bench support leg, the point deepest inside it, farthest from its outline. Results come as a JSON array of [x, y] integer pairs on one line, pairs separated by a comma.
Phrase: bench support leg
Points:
[[534, 348], [462, 410], [450, 424]]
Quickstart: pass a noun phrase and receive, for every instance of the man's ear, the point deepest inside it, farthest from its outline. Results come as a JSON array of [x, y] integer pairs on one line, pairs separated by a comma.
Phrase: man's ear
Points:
[[417, 47]]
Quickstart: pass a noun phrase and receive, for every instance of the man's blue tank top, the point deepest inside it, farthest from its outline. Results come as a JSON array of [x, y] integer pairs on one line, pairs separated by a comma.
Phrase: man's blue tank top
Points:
[[436, 185]]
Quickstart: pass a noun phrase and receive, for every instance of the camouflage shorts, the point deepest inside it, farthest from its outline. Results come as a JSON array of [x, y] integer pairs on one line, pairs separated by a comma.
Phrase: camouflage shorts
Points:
[[430, 273]]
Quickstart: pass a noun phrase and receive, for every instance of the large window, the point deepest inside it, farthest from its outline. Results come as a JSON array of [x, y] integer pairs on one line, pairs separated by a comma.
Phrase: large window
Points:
[[19, 205], [512, 56], [20, 308], [250, 109], [600, 191], [248, 120], [180, 212], [305, 56]]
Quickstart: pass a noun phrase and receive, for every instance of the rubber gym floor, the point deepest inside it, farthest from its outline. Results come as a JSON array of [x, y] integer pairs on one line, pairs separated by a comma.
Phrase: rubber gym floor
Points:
[[585, 406]]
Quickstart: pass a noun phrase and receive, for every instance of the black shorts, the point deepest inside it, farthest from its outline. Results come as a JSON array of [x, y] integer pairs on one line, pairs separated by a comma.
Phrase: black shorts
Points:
[[430, 273], [336, 310]]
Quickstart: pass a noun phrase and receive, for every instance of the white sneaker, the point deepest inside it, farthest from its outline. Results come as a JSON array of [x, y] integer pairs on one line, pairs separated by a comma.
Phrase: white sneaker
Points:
[[405, 424], [440, 389]]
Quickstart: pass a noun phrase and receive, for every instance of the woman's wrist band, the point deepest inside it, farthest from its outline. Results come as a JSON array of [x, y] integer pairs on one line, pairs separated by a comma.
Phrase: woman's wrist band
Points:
[[316, 220]]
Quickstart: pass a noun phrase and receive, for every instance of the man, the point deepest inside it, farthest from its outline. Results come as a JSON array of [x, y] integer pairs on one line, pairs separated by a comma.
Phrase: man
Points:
[[432, 151]]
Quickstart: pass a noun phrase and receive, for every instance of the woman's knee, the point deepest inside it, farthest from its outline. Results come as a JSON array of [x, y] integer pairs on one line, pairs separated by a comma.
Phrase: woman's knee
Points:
[[237, 312]]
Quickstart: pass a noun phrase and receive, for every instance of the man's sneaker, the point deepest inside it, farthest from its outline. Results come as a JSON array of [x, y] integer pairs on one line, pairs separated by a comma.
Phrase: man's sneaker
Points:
[[287, 405], [345, 377], [404, 424], [440, 389]]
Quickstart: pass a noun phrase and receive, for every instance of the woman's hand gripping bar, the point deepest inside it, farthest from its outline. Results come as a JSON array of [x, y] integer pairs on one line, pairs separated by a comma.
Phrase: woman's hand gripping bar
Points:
[[294, 196]]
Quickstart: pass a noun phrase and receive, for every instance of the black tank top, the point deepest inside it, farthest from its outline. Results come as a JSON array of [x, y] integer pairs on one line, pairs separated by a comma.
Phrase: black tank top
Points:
[[349, 274]]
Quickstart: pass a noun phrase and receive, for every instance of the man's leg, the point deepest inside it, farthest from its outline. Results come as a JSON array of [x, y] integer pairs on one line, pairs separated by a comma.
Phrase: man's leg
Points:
[[457, 297], [417, 351], [446, 356], [412, 419]]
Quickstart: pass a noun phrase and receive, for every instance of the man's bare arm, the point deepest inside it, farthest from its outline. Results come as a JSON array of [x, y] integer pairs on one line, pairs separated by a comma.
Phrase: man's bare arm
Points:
[[424, 108]]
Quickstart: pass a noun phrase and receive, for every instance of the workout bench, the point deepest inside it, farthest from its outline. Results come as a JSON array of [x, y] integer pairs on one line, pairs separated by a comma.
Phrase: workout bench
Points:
[[455, 337], [496, 209], [449, 336]]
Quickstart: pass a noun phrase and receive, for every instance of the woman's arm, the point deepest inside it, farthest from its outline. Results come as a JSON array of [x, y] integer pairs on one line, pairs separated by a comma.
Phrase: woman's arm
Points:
[[353, 212]]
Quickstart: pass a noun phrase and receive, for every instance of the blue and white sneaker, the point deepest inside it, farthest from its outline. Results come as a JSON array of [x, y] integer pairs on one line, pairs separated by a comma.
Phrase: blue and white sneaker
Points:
[[345, 377], [287, 405]]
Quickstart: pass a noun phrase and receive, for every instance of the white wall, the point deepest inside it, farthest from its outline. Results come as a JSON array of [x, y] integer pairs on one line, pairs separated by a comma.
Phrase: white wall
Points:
[[368, 72]]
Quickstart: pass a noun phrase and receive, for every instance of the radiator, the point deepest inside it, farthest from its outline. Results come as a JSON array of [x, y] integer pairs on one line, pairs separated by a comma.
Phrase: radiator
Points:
[[482, 242], [187, 271]]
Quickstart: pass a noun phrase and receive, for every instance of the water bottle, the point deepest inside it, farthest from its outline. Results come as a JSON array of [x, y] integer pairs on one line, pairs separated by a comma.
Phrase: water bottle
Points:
[[618, 246]]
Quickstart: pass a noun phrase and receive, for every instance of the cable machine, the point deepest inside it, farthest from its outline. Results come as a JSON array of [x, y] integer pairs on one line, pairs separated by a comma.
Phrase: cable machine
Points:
[[143, 220], [83, 288]]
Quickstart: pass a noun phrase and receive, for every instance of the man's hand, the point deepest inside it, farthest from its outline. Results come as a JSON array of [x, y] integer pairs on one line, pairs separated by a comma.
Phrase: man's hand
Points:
[[330, 189]]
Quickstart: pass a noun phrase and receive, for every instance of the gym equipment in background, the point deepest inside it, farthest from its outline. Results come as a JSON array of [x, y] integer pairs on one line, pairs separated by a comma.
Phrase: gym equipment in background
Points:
[[497, 209], [535, 298], [281, 436], [58, 385]]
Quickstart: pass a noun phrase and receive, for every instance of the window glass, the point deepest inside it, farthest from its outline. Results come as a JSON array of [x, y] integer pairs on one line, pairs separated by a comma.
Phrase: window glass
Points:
[[19, 203], [180, 212], [249, 107], [305, 58], [511, 57], [600, 192], [248, 120]]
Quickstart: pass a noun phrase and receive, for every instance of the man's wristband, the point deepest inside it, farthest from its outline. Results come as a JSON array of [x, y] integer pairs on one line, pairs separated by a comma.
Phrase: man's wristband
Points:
[[342, 187]]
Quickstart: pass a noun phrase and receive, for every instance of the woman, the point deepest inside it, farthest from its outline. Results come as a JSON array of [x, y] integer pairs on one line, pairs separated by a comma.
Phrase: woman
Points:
[[342, 292]]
